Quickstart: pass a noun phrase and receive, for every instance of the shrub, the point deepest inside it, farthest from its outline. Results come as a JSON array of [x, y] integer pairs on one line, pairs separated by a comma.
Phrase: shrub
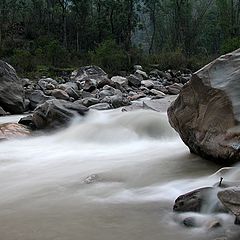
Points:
[[230, 45], [23, 61], [110, 57]]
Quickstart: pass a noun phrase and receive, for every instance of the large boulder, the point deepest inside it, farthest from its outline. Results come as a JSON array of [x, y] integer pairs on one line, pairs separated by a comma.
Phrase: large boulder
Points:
[[230, 198], [11, 89], [56, 113], [206, 113]]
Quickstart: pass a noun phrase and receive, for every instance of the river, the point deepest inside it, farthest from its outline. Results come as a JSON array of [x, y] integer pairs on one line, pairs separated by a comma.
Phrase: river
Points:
[[109, 176]]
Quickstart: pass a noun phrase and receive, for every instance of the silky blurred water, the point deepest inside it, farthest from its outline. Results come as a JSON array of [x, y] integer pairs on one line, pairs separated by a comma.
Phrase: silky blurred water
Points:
[[109, 176]]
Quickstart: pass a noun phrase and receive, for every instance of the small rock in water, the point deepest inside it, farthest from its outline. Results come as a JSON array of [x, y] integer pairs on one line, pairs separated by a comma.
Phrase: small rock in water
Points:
[[213, 224], [192, 201], [91, 179], [189, 222]]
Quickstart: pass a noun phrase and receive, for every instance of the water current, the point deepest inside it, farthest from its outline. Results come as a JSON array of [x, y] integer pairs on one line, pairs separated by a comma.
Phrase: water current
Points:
[[109, 176]]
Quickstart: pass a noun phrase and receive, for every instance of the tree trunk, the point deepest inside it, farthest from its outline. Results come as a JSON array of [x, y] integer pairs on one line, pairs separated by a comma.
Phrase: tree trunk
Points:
[[154, 27]]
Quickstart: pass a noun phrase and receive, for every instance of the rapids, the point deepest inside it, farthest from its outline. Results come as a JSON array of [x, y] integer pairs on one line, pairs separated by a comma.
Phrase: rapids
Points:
[[109, 176]]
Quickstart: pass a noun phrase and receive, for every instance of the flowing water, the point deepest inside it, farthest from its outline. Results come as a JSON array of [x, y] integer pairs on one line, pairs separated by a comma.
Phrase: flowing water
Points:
[[109, 176]]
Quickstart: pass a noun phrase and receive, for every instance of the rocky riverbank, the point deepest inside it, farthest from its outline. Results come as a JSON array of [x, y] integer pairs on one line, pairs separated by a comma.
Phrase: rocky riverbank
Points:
[[52, 103]]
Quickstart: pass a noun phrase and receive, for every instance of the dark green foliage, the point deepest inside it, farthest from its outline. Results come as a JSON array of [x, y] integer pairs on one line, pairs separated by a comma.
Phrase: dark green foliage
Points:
[[110, 57], [40, 35], [230, 45], [22, 60]]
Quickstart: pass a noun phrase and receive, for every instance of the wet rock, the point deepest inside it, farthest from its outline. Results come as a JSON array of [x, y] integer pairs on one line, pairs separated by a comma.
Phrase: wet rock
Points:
[[89, 101], [106, 81], [50, 86], [207, 112], [117, 101], [90, 85], [13, 130], [147, 83], [37, 97], [174, 88], [11, 89], [192, 201], [189, 222], [137, 67], [108, 91], [213, 224], [185, 79], [122, 81], [27, 105], [60, 94], [230, 198], [26, 82], [56, 113], [134, 80], [27, 121], [158, 74], [72, 93], [141, 74], [88, 72], [100, 106], [91, 179], [84, 94], [157, 93], [44, 82], [67, 85], [136, 96]]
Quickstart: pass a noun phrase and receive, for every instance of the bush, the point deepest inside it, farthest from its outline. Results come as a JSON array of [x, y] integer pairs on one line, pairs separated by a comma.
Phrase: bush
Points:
[[57, 55], [175, 60], [168, 60], [110, 57], [23, 61], [230, 45]]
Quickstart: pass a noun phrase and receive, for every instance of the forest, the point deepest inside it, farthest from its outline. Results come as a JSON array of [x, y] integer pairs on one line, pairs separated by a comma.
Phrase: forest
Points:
[[37, 36]]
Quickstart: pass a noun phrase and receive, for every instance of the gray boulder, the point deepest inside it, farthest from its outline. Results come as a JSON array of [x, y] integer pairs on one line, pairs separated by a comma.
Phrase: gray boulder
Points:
[[90, 85], [192, 201], [138, 67], [174, 88], [44, 82], [88, 101], [230, 198], [86, 72], [60, 94], [122, 81], [56, 113], [72, 93], [206, 113], [147, 83], [100, 106], [11, 89], [200, 200], [37, 97], [141, 74], [134, 80]]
